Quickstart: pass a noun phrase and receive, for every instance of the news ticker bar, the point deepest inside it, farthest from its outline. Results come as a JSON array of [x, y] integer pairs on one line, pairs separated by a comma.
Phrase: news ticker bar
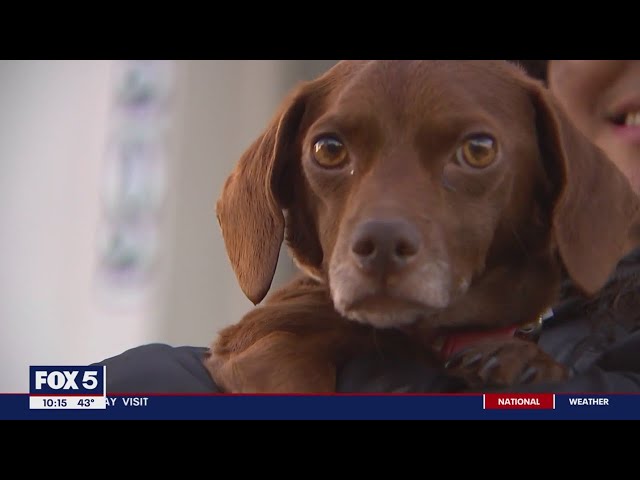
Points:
[[327, 407], [491, 401]]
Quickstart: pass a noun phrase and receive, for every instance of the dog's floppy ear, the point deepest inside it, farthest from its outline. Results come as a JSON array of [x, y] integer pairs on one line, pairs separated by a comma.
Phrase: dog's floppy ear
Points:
[[596, 212], [249, 211]]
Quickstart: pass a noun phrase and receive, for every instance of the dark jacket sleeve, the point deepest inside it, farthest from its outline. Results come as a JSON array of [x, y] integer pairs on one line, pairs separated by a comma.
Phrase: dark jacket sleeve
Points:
[[617, 370], [158, 368], [598, 338]]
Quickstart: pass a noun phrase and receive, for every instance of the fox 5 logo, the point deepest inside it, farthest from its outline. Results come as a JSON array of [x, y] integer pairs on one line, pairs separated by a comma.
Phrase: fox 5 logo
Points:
[[66, 380]]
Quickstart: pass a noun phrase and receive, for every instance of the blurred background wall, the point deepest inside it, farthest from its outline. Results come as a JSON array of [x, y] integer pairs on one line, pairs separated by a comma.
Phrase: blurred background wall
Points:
[[109, 174]]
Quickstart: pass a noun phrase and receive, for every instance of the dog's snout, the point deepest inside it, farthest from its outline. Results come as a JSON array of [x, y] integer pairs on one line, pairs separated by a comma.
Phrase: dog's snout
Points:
[[385, 247]]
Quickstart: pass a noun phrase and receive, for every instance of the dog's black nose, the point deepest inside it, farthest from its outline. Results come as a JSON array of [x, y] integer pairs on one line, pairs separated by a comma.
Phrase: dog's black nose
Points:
[[384, 247]]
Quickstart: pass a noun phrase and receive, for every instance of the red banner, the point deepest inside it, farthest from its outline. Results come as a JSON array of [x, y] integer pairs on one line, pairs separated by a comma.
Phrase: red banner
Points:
[[529, 401]]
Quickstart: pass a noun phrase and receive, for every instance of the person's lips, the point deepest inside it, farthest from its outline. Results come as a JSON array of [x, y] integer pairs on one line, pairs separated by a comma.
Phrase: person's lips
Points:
[[625, 121]]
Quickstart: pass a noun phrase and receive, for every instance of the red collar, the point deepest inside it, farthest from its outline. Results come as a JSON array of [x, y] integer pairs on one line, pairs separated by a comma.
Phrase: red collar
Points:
[[453, 343]]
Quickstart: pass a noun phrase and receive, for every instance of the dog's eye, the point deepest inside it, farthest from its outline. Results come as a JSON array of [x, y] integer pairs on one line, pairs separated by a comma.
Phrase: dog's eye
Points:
[[329, 152], [478, 151]]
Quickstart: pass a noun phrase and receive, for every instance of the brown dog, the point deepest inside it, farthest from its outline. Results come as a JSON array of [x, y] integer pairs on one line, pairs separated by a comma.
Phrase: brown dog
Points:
[[418, 197]]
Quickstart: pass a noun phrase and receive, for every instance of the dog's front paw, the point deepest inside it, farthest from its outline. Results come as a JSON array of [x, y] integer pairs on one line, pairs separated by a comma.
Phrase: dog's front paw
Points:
[[504, 363]]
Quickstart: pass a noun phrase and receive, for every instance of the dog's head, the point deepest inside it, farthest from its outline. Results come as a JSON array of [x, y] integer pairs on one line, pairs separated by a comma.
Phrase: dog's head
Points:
[[400, 183]]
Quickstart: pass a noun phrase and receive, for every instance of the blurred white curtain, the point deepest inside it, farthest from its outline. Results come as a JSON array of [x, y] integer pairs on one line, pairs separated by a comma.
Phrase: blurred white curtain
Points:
[[91, 264]]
